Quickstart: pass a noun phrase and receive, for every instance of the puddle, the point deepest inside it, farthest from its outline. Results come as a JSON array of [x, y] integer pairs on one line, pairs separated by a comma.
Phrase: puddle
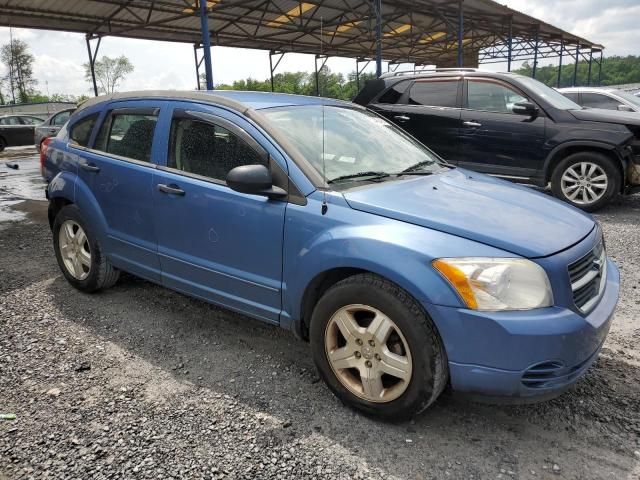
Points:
[[17, 186]]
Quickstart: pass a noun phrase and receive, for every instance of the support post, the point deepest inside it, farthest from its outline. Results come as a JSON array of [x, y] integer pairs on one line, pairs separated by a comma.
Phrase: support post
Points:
[[197, 64], [272, 67], [590, 66], [92, 61], [600, 68], [460, 33], [378, 11], [510, 44], [535, 53], [575, 67], [324, 59], [560, 64], [206, 43]]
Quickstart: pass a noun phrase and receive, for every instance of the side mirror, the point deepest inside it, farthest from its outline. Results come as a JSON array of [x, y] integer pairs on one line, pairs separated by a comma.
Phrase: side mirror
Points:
[[625, 108], [525, 108], [254, 180]]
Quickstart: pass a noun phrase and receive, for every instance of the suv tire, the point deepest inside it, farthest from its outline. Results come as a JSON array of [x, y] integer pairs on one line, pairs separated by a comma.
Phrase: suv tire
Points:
[[411, 349], [79, 254], [587, 180]]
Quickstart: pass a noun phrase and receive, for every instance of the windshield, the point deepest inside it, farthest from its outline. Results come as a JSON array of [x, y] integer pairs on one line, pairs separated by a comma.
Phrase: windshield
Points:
[[632, 99], [355, 141], [553, 97]]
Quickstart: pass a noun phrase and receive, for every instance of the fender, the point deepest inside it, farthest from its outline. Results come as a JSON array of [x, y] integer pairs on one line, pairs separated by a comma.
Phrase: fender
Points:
[[580, 143], [395, 250]]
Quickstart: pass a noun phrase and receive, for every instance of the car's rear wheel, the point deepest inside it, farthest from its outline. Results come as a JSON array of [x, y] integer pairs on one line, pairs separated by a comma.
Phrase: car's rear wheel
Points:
[[376, 348], [3, 144], [587, 180], [79, 254]]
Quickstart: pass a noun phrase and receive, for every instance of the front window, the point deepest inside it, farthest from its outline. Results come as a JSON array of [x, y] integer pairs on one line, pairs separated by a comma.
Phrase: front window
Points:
[[598, 100], [492, 97], [632, 99], [553, 97], [350, 140]]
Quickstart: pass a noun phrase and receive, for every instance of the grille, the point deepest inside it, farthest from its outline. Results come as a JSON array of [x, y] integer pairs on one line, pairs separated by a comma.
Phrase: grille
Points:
[[587, 276]]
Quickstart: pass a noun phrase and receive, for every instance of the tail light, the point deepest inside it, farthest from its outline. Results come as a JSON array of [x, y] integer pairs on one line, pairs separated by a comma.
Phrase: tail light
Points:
[[44, 146]]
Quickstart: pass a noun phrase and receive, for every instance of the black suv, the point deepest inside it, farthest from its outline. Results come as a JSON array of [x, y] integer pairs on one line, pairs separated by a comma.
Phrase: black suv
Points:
[[514, 127]]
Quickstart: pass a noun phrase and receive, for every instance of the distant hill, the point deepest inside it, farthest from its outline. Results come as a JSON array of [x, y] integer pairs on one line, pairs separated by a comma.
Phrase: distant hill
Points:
[[615, 71]]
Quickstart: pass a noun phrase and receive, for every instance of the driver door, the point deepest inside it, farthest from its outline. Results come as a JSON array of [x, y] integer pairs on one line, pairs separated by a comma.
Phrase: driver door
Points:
[[213, 242]]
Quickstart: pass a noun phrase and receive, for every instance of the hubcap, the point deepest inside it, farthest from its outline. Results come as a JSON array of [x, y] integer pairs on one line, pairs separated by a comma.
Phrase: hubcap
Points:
[[368, 353], [584, 183], [74, 249]]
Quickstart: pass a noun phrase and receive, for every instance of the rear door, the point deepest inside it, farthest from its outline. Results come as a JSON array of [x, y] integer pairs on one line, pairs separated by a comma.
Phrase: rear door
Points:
[[15, 132], [494, 139], [213, 242], [430, 111], [119, 168]]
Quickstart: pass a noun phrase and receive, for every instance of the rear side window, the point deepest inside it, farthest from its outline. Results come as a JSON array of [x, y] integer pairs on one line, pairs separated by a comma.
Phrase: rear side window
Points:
[[572, 96], [128, 135], [394, 93], [81, 130], [441, 93], [9, 121], [207, 149], [596, 100], [61, 118]]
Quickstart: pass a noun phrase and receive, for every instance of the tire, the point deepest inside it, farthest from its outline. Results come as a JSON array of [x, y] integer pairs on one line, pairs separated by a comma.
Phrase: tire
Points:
[[96, 272], [3, 144], [574, 175], [414, 340]]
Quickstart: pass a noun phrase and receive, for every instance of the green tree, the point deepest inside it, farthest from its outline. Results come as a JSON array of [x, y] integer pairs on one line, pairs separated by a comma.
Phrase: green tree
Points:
[[109, 72], [19, 62]]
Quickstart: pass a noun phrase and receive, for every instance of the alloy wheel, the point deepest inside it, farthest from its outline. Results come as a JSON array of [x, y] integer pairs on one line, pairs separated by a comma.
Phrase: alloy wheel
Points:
[[368, 353], [584, 183], [74, 249]]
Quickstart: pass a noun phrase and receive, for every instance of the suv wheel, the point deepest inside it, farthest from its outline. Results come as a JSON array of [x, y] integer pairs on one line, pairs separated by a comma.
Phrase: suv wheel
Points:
[[79, 254], [587, 180], [376, 349]]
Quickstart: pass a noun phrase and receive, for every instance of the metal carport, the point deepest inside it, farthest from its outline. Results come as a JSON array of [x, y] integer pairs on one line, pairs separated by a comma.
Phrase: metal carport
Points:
[[423, 32]]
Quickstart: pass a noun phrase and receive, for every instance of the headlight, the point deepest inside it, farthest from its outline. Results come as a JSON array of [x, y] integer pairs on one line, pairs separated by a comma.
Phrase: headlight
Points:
[[497, 283]]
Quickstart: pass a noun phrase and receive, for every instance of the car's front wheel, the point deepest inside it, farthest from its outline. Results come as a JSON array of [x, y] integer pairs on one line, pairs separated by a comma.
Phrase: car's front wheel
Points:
[[79, 253], [587, 180], [376, 348]]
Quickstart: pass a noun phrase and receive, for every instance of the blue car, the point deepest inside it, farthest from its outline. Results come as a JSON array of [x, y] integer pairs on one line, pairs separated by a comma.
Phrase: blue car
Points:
[[403, 273]]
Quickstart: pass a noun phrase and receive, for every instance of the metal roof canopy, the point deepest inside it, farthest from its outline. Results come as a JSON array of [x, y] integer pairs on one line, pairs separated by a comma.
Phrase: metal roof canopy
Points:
[[424, 32]]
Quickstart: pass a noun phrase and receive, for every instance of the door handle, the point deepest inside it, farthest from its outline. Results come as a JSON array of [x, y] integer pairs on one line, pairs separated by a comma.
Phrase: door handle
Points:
[[402, 118], [90, 167], [472, 124], [170, 189], [52, 130]]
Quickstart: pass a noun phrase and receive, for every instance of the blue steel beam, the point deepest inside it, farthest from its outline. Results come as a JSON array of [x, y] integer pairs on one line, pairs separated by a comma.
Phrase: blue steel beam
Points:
[[575, 67], [206, 43], [560, 64], [460, 33], [378, 9]]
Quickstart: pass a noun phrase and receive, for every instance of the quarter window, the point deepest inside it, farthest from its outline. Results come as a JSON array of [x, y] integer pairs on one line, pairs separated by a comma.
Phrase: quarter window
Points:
[[492, 97], [596, 100], [435, 93], [207, 149], [127, 135], [81, 130], [394, 93]]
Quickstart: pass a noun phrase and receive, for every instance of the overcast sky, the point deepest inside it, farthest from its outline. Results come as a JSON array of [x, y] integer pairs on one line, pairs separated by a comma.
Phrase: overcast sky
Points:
[[59, 56]]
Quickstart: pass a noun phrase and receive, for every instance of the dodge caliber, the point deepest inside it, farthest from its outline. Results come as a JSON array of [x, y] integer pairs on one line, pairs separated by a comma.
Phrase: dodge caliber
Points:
[[405, 274]]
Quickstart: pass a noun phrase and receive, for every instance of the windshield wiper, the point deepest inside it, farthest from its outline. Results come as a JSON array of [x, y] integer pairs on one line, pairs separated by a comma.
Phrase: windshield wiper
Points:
[[418, 166], [353, 176]]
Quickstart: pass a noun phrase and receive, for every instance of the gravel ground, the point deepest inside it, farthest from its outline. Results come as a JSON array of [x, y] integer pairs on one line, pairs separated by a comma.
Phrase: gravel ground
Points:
[[142, 382]]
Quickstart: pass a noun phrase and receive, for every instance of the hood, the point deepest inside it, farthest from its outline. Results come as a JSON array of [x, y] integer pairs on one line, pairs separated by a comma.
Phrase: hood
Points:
[[608, 116], [480, 208]]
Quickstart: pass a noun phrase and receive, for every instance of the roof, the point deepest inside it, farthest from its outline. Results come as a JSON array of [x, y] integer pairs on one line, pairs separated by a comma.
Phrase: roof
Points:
[[420, 31], [233, 99]]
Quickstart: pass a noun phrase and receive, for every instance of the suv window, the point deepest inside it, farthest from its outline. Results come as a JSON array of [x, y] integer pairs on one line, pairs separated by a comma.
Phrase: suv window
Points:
[[435, 93], [491, 97], [81, 130], [61, 118], [207, 149], [394, 93], [597, 100], [128, 135]]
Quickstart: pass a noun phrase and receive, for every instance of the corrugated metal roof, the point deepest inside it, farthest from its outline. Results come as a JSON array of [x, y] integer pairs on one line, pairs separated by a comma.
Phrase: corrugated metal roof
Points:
[[420, 31]]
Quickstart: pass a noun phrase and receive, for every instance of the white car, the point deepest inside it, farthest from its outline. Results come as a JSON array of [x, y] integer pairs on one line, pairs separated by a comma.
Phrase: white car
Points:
[[604, 98]]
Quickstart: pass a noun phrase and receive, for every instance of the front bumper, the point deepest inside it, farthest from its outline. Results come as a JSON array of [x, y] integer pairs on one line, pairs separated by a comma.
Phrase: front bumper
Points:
[[523, 354]]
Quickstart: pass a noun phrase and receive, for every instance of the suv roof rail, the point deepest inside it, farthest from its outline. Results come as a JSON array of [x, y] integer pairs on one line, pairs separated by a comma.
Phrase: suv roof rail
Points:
[[426, 70]]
